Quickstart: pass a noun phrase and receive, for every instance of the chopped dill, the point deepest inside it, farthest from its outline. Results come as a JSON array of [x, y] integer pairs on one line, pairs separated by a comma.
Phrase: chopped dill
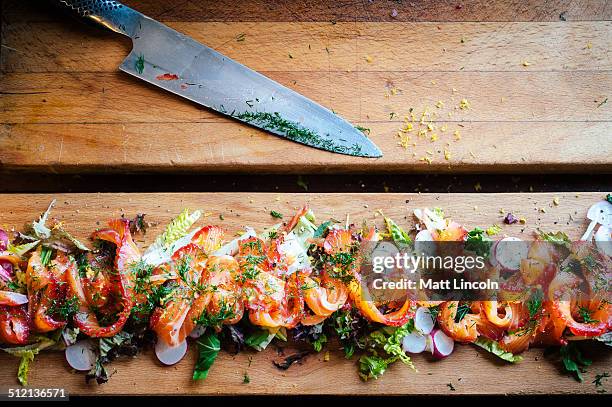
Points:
[[275, 123]]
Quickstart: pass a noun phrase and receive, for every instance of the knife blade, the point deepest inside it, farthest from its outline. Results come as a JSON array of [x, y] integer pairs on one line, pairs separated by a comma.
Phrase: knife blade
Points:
[[177, 63]]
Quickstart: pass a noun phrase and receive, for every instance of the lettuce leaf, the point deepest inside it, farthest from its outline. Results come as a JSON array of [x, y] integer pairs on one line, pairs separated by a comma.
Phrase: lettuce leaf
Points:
[[494, 348], [260, 339], [209, 346], [177, 228], [39, 226], [387, 340], [22, 249], [24, 366], [27, 353], [161, 250], [558, 238], [60, 233]]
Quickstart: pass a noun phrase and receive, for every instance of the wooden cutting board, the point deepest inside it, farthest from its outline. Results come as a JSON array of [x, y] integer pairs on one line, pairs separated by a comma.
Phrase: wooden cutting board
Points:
[[537, 87], [467, 370]]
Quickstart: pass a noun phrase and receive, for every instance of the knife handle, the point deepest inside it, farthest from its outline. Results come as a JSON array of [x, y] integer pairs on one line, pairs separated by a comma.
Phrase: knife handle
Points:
[[107, 13]]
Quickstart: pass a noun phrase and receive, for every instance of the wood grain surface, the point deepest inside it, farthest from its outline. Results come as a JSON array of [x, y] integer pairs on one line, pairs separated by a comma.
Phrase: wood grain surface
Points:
[[537, 87], [468, 370]]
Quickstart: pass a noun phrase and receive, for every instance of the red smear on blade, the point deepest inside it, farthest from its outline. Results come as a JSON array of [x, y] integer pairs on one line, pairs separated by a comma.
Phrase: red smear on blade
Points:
[[167, 77]]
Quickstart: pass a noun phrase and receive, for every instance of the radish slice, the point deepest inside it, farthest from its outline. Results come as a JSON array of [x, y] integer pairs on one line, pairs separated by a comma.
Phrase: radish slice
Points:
[[197, 332], [510, 251], [423, 320], [414, 342], [603, 240], [429, 344], [424, 243], [443, 345], [81, 355], [492, 258], [170, 355]]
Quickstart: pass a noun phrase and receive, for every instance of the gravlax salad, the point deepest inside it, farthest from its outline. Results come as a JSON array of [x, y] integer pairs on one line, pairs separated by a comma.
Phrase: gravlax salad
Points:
[[298, 281]]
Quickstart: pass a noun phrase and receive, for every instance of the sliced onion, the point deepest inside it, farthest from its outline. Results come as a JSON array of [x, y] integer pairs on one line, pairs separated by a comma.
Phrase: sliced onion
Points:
[[81, 355], [423, 320], [603, 240], [510, 251], [414, 342], [4, 240], [197, 331], [442, 344], [170, 355]]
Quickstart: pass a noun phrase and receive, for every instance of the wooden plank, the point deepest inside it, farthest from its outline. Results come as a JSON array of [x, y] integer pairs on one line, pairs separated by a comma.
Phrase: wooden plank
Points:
[[422, 47], [357, 96], [107, 120], [60, 79], [225, 147], [469, 370], [346, 10]]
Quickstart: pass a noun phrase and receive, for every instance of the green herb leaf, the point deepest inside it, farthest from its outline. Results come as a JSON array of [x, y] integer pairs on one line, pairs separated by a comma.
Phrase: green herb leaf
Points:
[[208, 348], [386, 340], [320, 232], [493, 230], [373, 366], [534, 304], [317, 345], [276, 214], [45, 255], [599, 377], [478, 243], [494, 348], [558, 238], [462, 311], [398, 234], [573, 361], [259, 339], [363, 129]]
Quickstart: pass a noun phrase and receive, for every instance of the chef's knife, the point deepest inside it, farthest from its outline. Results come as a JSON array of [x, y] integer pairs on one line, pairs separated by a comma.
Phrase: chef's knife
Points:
[[181, 65]]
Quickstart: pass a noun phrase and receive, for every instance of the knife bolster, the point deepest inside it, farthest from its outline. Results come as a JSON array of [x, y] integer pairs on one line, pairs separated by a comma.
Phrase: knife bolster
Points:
[[107, 13]]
